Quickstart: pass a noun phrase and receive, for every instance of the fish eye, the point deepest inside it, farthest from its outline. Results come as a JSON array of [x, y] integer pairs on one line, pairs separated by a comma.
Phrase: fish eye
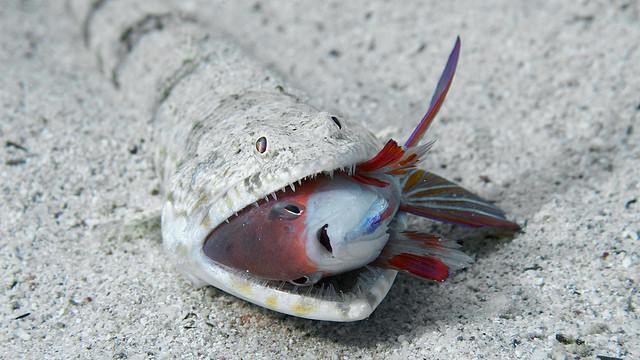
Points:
[[261, 144], [293, 209], [323, 238], [288, 211]]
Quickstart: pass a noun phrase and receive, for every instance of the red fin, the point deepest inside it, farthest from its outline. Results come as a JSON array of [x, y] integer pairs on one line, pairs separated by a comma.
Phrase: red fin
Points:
[[397, 160], [428, 195], [367, 180], [427, 267], [414, 242], [429, 240], [391, 160], [424, 255], [390, 153]]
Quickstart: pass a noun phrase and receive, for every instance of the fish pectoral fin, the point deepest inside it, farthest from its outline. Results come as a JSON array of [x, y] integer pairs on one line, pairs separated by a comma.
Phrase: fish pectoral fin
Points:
[[429, 195], [424, 255], [424, 266]]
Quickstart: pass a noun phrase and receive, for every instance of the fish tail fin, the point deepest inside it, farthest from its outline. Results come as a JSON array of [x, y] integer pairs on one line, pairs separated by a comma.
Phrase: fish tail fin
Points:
[[428, 195], [424, 255]]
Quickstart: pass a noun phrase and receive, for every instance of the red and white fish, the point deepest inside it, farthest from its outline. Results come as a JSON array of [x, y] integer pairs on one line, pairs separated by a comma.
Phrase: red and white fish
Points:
[[333, 224]]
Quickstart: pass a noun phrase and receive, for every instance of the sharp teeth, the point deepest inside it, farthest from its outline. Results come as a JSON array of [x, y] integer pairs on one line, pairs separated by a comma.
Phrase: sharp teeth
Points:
[[266, 198], [256, 204], [236, 214], [293, 187], [273, 195], [226, 220], [300, 182]]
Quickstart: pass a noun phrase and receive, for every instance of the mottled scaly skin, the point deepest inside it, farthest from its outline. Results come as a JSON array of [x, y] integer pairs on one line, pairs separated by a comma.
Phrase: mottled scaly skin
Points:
[[208, 103]]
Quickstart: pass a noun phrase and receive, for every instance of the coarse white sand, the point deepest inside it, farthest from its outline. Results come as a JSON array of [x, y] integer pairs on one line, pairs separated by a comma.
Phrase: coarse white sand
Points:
[[543, 117]]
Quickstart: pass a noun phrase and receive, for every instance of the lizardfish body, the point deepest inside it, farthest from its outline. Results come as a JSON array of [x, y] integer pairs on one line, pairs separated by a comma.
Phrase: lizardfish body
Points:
[[266, 197]]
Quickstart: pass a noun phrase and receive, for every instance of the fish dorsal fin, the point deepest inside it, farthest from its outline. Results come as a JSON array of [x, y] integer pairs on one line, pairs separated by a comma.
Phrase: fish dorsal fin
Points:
[[438, 96], [394, 159]]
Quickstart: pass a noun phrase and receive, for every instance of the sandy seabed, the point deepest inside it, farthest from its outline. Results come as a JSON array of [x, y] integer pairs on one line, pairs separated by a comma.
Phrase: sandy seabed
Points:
[[543, 118]]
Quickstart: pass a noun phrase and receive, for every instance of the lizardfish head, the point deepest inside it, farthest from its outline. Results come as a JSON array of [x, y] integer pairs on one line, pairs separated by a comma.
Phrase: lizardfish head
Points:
[[327, 226], [252, 147]]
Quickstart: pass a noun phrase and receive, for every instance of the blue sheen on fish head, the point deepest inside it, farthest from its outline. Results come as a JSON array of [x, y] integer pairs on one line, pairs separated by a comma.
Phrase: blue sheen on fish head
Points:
[[347, 223]]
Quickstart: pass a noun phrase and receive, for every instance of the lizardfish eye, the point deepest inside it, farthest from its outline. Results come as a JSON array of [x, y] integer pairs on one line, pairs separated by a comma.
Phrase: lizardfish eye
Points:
[[287, 210], [261, 144]]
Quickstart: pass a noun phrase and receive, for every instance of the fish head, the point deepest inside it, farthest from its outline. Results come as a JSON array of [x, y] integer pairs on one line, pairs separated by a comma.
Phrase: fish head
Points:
[[250, 148], [347, 223]]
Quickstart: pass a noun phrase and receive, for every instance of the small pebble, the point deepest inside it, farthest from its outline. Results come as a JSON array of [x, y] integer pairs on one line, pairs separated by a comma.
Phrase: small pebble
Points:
[[630, 234], [564, 339], [626, 262], [23, 335], [597, 328]]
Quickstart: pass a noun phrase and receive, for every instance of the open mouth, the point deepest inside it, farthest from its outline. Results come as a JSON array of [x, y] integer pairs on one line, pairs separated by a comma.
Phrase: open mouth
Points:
[[335, 288]]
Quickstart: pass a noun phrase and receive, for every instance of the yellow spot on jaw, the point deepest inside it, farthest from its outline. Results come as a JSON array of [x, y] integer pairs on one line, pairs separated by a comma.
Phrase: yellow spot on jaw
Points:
[[243, 287], [302, 309], [271, 301]]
